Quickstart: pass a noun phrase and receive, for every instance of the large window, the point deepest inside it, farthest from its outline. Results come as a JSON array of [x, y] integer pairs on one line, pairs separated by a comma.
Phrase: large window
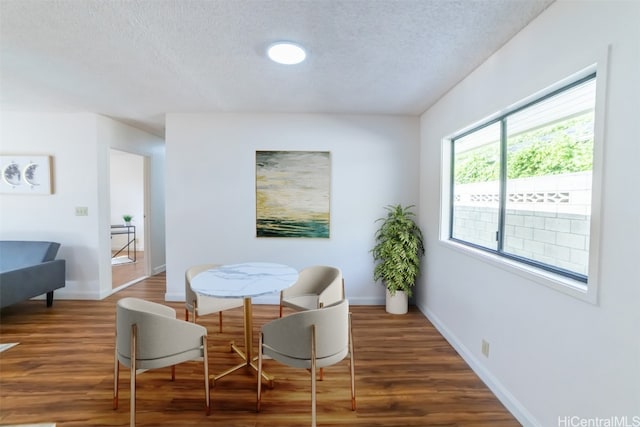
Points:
[[521, 182]]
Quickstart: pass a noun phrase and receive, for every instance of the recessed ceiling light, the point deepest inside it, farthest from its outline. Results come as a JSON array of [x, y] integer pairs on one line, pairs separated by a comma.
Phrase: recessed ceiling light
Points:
[[286, 53]]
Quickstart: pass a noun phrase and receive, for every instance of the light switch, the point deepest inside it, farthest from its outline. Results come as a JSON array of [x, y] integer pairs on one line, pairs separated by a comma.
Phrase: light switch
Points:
[[82, 211]]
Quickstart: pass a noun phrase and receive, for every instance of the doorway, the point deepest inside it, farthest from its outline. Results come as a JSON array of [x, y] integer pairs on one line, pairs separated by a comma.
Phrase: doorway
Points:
[[127, 184]]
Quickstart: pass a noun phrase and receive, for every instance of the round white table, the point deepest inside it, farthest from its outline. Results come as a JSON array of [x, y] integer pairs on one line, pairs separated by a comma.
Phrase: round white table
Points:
[[244, 280]]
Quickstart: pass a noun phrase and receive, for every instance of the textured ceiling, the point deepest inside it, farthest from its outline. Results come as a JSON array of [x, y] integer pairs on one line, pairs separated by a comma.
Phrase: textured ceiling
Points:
[[137, 60]]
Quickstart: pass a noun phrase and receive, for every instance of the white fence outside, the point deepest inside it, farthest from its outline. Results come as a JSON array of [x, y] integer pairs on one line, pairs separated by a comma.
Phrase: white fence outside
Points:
[[547, 218]]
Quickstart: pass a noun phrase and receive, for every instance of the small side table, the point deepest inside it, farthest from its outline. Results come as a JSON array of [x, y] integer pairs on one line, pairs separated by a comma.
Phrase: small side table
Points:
[[130, 231]]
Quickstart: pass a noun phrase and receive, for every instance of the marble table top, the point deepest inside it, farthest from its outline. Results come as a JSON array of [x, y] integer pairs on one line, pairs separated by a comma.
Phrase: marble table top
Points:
[[244, 280]]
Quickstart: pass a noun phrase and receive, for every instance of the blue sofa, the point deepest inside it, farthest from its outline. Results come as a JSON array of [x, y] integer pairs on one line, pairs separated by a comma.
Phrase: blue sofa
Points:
[[29, 269]]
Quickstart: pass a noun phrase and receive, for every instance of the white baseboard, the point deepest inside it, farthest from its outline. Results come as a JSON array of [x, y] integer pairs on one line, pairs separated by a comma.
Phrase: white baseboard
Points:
[[158, 269], [275, 299], [75, 294], [174, 297], [126, 285], [30, 425], [512, 404]]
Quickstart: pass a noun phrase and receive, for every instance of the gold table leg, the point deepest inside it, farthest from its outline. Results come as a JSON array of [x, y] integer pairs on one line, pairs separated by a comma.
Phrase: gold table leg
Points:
[[247, 354]]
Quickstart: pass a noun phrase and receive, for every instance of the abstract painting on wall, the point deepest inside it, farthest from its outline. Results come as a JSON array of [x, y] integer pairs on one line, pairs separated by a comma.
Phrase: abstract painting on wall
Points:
[[25, 174], [292, 193]]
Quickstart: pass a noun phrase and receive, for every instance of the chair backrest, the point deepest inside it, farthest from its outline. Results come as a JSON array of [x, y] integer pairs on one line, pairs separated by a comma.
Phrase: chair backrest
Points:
[[159, 332], [191, 272], [322, 280], [291, 335]]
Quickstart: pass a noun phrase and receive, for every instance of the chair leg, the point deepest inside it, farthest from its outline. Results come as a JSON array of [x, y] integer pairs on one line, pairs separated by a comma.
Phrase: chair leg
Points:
[[116, 380], [186, 314], [313, 375], [207, 391], [132, 417], [195, 311], [173, 372], [220, 321], [352, 368], [259, 392]]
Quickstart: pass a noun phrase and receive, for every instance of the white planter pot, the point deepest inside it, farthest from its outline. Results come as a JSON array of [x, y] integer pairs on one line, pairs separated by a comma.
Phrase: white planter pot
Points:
[[398, 303]]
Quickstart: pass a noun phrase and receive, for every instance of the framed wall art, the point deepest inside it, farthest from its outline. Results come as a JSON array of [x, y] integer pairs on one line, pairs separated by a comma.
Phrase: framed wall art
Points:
[[25, 174], [292, 193]]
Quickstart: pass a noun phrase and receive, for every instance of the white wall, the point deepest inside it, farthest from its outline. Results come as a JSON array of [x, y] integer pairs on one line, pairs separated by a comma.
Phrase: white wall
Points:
[[79, 145], [551, 355], [70, 139], [211, 190]]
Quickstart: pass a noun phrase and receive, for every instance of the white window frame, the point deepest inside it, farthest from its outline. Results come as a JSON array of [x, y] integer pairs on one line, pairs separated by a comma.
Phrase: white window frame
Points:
[[586, 292]]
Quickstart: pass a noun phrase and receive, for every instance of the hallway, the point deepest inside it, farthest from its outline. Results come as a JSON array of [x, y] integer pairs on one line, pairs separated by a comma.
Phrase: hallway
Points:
[[123, 274]]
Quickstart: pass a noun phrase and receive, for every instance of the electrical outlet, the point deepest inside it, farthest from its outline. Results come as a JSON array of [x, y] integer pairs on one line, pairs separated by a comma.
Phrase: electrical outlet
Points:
[[82, 211], [485, 348]]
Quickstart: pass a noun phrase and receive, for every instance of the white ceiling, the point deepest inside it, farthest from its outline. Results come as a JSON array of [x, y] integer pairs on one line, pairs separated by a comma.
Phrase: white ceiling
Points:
[[135, 60]]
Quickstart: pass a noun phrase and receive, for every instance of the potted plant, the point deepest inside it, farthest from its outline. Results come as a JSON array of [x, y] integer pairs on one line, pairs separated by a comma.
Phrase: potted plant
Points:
[[127, 219], [398, 250]]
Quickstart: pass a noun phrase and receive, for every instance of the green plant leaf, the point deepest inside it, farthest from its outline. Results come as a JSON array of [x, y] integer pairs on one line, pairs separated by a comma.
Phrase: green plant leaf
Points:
[[398, 249]]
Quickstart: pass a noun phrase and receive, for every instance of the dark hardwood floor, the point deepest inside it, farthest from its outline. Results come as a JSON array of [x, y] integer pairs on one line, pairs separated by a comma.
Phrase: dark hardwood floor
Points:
[[62, 372]]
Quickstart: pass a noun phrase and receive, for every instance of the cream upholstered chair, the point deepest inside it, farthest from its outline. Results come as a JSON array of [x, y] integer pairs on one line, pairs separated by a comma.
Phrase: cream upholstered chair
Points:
[[148, 336], [316, 287], [200, 305], [309, 339]]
